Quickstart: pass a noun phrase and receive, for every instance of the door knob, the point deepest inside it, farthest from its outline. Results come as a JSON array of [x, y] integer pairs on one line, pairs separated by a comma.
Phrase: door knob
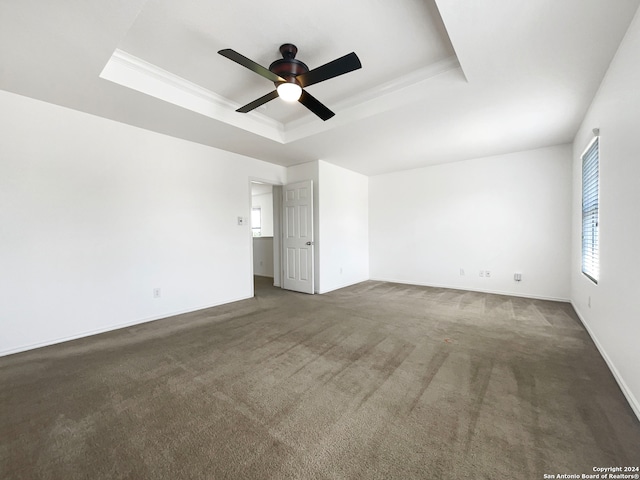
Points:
[[309, 243]]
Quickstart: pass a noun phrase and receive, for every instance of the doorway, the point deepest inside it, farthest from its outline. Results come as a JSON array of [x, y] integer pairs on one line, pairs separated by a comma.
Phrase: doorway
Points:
[[282, 235], [265, 230], [262, 228]]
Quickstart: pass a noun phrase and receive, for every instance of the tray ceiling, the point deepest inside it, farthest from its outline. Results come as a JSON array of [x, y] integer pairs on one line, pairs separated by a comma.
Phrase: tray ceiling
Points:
[[442, 80]]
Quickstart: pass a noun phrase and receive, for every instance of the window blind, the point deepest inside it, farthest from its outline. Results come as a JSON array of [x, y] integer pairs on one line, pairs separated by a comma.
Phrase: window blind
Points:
[[590, 204]]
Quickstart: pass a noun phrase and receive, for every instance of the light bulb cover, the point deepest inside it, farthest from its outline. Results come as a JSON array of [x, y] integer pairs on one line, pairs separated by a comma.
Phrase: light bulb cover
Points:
[[289, 92]]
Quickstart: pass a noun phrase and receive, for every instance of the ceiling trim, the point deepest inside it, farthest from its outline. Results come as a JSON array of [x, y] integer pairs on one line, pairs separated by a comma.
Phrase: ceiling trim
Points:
[[398, 92], [133, 72]]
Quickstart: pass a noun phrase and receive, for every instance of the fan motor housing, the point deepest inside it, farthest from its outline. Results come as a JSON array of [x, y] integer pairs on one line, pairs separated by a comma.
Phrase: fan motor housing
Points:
[[288, 67]]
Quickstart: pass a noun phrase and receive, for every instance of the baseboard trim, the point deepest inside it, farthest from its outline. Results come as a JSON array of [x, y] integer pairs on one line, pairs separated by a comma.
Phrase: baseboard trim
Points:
[[466, 289], [338, 287], [46, 343], [633, 401]]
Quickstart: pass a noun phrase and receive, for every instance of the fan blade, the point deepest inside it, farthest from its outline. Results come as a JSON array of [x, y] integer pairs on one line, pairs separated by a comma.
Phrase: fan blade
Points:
[[339, 66], [260, 101], [251, 65], [315, 106]]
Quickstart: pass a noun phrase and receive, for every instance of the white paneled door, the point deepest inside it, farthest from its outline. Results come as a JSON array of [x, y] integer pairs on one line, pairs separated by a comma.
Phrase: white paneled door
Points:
[[298, 237]]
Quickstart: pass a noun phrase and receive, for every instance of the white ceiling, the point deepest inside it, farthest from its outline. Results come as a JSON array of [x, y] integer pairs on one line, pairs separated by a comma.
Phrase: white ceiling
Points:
[[442, 80]]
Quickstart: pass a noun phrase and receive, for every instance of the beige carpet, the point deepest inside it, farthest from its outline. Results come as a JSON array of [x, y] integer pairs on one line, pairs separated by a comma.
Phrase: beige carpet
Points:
[[373, 381]]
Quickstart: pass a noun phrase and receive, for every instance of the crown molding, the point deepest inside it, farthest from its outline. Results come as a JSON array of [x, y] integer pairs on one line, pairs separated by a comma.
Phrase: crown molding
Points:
[[400, 91], [133, 72]]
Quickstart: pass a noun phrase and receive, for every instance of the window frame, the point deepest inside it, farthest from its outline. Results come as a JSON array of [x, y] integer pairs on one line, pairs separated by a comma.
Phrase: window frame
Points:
[[590, 203]]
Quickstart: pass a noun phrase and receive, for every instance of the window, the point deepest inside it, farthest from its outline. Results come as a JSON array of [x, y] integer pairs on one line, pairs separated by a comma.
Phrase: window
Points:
[[256, 221], [590, 204]]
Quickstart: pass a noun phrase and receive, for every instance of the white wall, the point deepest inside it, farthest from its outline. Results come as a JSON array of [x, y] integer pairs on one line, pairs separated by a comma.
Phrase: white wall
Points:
[[265, 202], [343, 227], [505, 214], [613, 319], [95, 214], [263, 256]]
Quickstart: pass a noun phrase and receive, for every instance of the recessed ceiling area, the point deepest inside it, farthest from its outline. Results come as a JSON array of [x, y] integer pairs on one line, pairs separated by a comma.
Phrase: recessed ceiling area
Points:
[[184, 38], [171, 53], [440, 81]]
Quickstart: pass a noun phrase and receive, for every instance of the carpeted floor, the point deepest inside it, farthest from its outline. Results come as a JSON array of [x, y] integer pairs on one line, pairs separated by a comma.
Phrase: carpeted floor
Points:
[[377, 380]]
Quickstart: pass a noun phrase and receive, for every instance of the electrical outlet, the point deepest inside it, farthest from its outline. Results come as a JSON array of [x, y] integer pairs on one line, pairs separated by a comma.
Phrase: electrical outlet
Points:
[[340, 270], [156, 293], [517, 277], [461, 272]]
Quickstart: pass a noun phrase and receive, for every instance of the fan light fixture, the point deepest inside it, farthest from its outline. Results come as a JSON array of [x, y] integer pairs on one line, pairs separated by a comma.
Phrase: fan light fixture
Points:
[[289, 92]]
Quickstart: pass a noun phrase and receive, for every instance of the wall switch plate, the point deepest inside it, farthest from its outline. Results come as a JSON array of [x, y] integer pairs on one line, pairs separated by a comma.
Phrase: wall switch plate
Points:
[[487, 273], [462, 272], [240, 221], [482, 273], [156, 293], [517, 277]]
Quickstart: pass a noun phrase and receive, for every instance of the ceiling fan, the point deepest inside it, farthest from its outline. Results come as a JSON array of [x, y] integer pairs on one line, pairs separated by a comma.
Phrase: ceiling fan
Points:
[[291, 76]]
